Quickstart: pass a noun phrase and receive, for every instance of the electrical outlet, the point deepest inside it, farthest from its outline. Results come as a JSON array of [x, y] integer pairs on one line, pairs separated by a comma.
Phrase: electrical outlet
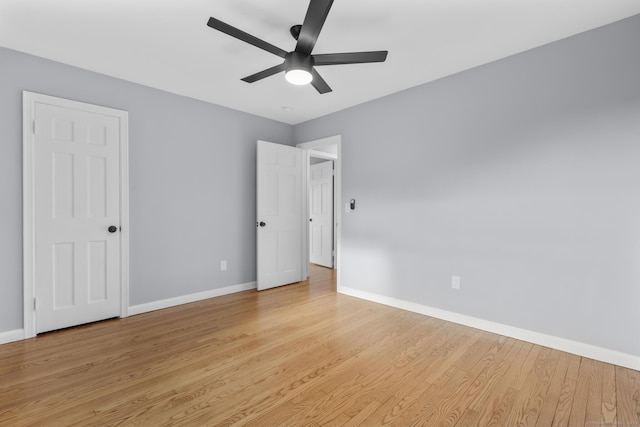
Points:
[[455, 282], [223, 265]]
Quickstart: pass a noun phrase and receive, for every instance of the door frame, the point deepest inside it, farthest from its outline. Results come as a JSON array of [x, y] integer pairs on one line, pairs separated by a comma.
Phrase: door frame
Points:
[[29, 101], [310, 150]]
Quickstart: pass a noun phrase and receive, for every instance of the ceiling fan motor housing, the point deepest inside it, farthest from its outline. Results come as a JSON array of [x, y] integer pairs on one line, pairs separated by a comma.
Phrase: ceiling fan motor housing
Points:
[[298, 61]]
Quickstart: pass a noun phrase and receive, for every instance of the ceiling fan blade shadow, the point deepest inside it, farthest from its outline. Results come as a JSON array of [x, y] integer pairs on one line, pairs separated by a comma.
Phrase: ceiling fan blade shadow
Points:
[[319, 83], [245, 37], [313, 22], [264, 73], [350, 58]]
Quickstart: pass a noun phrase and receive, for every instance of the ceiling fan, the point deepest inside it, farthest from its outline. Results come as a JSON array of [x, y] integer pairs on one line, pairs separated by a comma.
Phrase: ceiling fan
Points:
[[299, 64]]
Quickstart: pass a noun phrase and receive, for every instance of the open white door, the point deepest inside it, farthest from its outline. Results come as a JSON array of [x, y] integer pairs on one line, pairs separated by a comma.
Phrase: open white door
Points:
[[279, 221], [321, 214]]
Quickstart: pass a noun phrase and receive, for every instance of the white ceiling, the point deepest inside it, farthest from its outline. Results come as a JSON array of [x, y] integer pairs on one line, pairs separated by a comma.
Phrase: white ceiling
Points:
[[166, 44]]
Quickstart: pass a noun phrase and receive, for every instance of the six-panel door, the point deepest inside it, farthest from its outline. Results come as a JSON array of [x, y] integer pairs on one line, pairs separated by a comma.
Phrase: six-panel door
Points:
[[76, 175], [279, 214]]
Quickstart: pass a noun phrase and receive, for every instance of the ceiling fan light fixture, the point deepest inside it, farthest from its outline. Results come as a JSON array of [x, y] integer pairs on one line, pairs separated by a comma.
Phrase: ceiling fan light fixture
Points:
[[298, 77], [298, 68]]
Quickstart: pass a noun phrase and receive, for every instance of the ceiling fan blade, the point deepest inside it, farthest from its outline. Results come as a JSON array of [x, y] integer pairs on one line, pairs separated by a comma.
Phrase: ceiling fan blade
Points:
[[264, 73], [350, 58], [319, 83], [313, 22], [245, 37]]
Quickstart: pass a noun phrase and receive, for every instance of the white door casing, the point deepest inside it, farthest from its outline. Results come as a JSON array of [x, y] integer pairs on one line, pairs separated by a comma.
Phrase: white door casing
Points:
[[76, 270], [321, 214], [279, 216], [316, 148]]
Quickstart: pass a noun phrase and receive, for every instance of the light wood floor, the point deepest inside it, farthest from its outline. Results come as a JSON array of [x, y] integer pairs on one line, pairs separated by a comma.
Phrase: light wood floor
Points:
[[303, 355]]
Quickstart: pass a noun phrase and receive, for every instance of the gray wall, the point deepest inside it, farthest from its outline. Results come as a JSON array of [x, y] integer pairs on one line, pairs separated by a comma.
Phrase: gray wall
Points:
[[192, 182], [521, 176]]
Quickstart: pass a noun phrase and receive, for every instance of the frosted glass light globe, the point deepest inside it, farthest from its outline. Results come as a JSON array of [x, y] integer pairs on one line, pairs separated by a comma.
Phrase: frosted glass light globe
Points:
[[298, 77]]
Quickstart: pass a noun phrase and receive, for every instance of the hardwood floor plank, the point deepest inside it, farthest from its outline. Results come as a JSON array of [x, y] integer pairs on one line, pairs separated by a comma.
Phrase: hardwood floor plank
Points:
[[594, 394], [608, 399], [363, 415], [567, 393], [578, 414], [550, 403], [627, 396], [302, 355]]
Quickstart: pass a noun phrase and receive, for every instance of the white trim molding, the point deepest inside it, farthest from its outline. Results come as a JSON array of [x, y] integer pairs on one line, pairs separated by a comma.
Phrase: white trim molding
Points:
[[11, 336], [185, 299], [575, 347], [322, 155]]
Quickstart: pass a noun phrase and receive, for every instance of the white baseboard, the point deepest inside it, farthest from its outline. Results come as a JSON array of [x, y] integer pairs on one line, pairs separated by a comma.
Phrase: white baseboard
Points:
[[11, 336], [185, 299], [581, 349]]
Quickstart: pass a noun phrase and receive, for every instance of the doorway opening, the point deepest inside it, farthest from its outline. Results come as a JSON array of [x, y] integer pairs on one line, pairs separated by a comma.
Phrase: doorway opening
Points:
[[322, 174]]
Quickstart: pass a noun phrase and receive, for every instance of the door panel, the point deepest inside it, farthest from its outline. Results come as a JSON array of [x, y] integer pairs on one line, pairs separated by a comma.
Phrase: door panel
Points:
[[97, 274], [279, 209], [321, 209], [63, 275]]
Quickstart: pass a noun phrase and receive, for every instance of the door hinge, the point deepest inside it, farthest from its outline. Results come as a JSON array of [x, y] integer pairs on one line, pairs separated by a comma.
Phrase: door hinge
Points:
[[35, 303], [34, 127]]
